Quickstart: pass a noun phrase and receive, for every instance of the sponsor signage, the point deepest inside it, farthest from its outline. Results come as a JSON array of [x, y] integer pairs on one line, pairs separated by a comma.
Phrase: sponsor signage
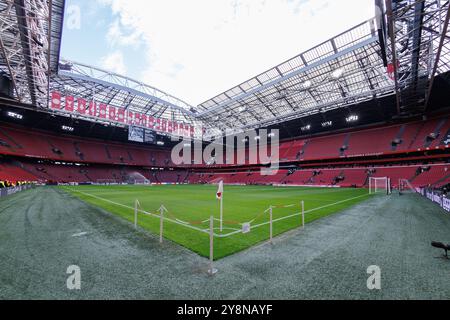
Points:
[[103, 111]]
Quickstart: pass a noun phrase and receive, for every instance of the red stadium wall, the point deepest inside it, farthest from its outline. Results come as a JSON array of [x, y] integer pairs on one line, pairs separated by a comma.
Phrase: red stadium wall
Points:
[[106, 160]]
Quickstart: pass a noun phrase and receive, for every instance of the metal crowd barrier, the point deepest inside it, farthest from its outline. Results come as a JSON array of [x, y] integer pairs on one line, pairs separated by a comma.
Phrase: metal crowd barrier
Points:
[[4, 192], [440, 199]]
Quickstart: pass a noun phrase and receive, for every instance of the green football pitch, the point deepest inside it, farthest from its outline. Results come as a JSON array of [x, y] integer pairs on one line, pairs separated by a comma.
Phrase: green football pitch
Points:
[[189, 208]]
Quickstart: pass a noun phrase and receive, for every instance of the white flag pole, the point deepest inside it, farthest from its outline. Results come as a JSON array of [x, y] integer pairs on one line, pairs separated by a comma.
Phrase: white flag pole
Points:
[[221, 213], [271, 225], [211, 270], [303, 214], [136, 213], [161, 223]]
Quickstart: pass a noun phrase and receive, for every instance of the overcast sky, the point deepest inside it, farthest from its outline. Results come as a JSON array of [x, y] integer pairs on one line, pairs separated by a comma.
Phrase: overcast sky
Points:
[[196, 49]]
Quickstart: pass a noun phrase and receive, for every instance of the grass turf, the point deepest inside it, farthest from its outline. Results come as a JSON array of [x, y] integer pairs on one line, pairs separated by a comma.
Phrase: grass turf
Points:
[[196, 203]]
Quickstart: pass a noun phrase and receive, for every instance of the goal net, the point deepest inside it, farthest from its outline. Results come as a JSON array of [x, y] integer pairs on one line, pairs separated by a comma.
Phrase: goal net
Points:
[[404, 186], [380, 185], [136, 178], [106, 181]]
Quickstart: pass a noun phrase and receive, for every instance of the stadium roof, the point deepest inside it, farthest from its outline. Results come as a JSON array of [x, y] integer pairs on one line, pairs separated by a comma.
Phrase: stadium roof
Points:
[[345, 70], [341, 71], [30, 40], [113, 89]]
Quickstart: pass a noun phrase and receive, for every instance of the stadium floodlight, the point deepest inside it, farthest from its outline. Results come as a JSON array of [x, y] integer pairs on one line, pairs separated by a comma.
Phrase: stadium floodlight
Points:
[[67, 128], [271, 135], [336, 74], [327, 124], [160, 143], [15, 115], [352, 118], [257, 138], [306, 128]]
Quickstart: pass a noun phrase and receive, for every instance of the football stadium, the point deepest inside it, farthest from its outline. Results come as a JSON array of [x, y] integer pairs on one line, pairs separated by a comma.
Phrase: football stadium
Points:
[[323, 177]]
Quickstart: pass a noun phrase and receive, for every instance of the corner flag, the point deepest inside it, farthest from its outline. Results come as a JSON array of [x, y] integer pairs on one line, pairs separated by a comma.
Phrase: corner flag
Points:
[[219, 196], [219, 193]]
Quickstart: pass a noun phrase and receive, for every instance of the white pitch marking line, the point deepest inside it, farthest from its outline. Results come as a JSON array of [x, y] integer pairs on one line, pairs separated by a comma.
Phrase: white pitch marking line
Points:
[[231, 233], [294, 215], [142, 211], [76, 235]]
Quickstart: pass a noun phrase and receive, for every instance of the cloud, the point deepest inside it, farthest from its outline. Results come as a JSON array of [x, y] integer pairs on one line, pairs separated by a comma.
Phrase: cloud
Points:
[[197, 49], [118, 35], [114, 62]]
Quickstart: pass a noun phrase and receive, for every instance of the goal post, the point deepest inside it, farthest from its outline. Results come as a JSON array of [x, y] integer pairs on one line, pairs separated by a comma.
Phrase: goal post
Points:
[[381, 185], [106, 182]]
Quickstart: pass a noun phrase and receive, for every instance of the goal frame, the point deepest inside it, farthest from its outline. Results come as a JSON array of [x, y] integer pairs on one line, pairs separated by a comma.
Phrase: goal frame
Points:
[[106, 182], [139, 182], [373, 184]]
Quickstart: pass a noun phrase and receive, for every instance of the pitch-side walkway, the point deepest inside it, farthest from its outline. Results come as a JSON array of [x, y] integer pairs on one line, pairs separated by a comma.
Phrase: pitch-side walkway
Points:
[[44, 231]]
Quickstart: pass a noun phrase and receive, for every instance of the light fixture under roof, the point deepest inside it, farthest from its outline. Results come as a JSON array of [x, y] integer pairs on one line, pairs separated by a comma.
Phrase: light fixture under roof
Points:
[[68, 128], [15, 115], [306, 128], [336, 74], [307, 84], [352, 118]]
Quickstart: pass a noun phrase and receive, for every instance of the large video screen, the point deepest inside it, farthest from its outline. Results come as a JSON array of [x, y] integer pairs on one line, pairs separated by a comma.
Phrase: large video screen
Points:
[[136, 134]]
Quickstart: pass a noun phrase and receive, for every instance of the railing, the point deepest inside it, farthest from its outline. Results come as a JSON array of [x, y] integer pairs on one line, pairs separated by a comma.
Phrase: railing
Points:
[[440, 199], [4, 192]]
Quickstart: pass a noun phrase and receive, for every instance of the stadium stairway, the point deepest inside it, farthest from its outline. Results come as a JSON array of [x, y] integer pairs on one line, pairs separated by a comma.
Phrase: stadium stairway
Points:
[[78, 152], [108, 154], [345, 146], [12, 142], [398, 137], [428, 128], [434, 137], [416, 135]]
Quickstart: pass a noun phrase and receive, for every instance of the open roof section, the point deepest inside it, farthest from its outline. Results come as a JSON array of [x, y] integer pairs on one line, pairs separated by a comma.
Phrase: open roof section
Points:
[[113, 89], [345, 70], [30, 40], [341, 70]]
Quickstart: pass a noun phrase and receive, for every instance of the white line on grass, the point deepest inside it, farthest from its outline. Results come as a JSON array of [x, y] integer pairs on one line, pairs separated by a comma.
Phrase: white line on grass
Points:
[[142, 211], [228, 234], [293, 215], [76, 235]]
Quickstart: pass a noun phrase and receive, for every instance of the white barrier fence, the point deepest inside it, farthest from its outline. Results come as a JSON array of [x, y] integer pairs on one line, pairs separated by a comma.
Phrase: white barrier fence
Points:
[[442, 200], [4, 192], [446, 204]]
